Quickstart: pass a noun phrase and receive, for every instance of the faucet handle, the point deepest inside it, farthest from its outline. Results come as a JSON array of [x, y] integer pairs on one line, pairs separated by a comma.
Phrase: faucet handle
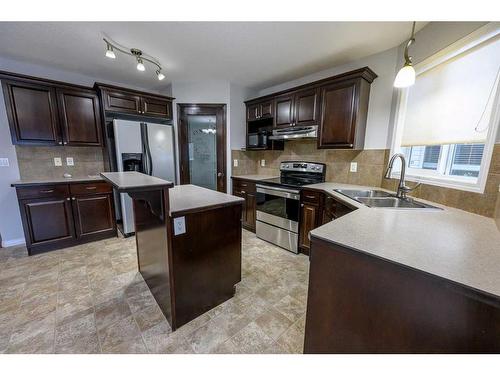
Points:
[[408, 189]]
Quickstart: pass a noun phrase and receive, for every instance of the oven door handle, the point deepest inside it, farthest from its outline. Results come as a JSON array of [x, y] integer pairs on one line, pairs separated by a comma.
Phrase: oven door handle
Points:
[[278, 192]]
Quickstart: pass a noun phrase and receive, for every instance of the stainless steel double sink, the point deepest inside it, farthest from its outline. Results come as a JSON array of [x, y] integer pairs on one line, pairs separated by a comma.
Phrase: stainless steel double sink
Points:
[[382, 199]]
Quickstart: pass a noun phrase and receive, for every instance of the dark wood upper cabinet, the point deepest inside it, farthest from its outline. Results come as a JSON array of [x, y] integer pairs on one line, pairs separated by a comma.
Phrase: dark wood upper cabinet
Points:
[[152, 106], [266, 109], [253, 112], [260, 110], [306, 106], [80, 117], [121, 100], [283, 110], [338, 105], [32, 113]]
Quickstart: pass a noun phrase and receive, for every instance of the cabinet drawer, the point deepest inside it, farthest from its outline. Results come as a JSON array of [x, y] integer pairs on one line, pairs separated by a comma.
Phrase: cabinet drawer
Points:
[[310, 196], [43, 191], [243, 185], [91, 188]]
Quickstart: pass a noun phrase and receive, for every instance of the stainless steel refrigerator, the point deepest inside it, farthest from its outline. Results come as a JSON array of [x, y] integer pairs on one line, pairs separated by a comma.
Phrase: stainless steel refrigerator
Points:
[[143, 147]]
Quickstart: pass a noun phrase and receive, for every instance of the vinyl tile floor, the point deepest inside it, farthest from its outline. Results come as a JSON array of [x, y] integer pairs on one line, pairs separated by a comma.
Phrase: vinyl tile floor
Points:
[[91, 299]]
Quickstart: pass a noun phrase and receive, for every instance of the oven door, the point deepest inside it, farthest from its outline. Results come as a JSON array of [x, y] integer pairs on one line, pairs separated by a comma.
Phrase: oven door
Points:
[[279, 207]]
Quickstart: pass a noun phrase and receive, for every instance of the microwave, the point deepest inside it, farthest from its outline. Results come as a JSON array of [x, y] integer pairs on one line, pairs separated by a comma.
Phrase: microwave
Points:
[[257, 140]]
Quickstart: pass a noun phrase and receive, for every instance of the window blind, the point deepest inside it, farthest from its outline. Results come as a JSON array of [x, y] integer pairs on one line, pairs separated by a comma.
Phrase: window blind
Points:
[[451, 102]]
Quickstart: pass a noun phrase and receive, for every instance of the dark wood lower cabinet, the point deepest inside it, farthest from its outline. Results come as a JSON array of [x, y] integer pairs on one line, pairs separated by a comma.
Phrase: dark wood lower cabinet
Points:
[[93, 215], [53, 217], [246, 189], [358, 303], [317, 208], [47, 222]]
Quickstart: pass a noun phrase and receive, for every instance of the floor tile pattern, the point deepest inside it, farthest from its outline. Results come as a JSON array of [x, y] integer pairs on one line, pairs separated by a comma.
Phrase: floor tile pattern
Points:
[[91, 299]]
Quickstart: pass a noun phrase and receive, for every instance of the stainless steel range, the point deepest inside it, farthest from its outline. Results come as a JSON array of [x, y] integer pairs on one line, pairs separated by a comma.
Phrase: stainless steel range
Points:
[[278, 202]]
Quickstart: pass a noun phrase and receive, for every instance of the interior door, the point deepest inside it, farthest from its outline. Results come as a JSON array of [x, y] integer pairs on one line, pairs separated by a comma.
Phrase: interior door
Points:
[[202, 145]]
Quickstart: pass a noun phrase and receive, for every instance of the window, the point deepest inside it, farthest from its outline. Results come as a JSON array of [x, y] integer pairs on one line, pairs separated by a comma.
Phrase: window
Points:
[[447, 121]]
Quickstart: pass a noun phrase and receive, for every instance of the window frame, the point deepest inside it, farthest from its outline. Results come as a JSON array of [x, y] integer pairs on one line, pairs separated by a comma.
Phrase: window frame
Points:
[[481, 35]]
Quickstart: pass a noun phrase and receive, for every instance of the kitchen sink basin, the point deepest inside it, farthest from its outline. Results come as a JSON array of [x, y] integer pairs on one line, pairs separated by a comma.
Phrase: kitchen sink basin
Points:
[[363, 193], [382, 199], [393, 202]]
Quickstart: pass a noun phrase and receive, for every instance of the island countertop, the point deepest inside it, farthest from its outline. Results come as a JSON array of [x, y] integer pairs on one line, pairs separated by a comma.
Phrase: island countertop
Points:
[[135, 181], [453, 244], [190, 198]]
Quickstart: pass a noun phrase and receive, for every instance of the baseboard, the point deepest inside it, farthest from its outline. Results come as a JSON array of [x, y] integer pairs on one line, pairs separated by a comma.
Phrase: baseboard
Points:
[[15, 242]]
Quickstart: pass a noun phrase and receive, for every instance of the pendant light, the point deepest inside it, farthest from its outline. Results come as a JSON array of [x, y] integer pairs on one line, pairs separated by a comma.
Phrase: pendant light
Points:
[[406, 75]]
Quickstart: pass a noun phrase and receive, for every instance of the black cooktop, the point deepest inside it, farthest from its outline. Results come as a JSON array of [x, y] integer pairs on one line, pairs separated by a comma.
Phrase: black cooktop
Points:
[[289, 181]]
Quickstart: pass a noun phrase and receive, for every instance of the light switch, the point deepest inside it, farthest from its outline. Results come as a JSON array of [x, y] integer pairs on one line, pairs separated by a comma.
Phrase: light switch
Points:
[[179, 225], [58, 162], [69, 162], [4, 162], [235, 162], [354, 166], [263, 163]]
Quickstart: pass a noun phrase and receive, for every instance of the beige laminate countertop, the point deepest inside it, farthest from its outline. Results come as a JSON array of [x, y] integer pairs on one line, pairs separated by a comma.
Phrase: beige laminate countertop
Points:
[[61, 180], [190, 198], [449, 243]]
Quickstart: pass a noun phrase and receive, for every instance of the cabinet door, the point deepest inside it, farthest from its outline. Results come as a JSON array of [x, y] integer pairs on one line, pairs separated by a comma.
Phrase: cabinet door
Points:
[[32, 113], [93, 215], [80, 117], [47, 221], [338, 115], [283, 110], [252, 112], [308, 215], [121, 101], [250, 211], [244, 208], [266, 109], [152, 106], [306, 107]]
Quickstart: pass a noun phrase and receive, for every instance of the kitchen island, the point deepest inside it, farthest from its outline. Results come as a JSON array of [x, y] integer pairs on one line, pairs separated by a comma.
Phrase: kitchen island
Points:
[[403, 281], [188, 243]]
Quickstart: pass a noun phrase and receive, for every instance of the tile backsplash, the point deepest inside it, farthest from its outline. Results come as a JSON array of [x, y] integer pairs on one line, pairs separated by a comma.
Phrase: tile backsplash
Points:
[[371, 166], [38, 162]]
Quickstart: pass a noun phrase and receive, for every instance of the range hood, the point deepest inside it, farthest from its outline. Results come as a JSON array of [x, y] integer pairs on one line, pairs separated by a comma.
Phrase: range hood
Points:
[[295, 132]]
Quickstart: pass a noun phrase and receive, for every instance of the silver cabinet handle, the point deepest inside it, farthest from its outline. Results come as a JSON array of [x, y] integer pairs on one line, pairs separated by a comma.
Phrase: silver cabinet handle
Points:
[[67, 199], [73, 198], [65, 143], [47, 191], [243, 192], [60, 143], [91, 188]]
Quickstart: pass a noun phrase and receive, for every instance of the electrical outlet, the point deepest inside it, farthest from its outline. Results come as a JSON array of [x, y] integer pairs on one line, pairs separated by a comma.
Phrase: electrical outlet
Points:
[[69, 162], [179, 225], [235, 162], [4, 162], [58, 162], [354, 167], [263, 163]]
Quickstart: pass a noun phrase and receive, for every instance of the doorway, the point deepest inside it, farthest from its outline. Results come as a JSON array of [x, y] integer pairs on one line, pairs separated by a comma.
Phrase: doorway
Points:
[[202, 145]]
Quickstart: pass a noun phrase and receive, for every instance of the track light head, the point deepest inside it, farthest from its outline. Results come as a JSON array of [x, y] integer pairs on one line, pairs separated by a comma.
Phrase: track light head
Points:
[[160, 75], [109, 52]]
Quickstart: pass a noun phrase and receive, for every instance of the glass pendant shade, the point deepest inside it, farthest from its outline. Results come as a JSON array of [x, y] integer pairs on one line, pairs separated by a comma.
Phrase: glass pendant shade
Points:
[[405, 77]]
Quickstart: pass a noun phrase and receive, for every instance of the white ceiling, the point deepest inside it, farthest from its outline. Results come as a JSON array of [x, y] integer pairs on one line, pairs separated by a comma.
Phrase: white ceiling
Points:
[[253, 54]]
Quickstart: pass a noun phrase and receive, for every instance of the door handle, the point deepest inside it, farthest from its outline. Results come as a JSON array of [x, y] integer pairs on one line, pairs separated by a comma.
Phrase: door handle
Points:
[[220, 174]]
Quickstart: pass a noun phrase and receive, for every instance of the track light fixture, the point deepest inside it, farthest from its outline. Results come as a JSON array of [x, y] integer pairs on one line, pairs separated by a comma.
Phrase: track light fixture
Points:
[[137, 53]]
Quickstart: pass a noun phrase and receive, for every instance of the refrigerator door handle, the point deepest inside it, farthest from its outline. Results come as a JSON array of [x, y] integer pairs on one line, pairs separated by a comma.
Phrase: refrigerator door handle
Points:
[[148, 160]]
